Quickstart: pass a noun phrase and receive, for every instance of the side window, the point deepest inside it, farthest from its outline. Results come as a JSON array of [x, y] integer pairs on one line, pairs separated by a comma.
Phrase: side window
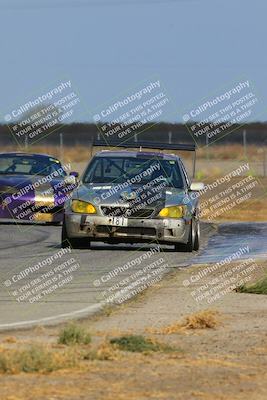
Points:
[[97, 171], [188, 183]]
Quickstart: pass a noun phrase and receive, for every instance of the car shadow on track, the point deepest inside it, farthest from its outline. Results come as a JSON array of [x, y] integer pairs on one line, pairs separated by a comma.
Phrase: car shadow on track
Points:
[[125, 247]]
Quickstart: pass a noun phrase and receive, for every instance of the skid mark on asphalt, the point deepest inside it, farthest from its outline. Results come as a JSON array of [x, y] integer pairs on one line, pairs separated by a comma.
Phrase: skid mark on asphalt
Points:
[[233, 236]]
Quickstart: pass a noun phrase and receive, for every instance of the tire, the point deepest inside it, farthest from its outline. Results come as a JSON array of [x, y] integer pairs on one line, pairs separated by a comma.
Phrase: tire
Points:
[[75, 243], [197, 237], [190, 245]]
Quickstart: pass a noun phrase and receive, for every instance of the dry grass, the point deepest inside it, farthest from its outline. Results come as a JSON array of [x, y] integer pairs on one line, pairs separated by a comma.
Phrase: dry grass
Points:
[[215, 152], [36, 358], [249, 211], [207, 319], [259, 287], [71, 153], [10, 339], [232, 152], [73, 334], [104, 352], [139, 344], [253, 209]]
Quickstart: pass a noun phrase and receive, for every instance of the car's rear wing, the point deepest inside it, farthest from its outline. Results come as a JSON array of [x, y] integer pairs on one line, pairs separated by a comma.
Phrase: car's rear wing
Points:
[[150, 145]]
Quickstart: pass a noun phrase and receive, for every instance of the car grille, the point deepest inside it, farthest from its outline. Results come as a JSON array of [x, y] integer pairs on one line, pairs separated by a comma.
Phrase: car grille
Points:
[[136, 231], [130, 230], [53, 210], [122, 212], [33, 208]]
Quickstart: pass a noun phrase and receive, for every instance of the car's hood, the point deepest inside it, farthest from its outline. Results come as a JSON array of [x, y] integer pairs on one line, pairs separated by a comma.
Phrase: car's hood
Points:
[[112, 194], [14, 183]]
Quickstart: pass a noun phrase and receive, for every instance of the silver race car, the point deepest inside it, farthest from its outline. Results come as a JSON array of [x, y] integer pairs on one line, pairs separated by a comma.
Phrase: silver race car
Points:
[[132, 197]]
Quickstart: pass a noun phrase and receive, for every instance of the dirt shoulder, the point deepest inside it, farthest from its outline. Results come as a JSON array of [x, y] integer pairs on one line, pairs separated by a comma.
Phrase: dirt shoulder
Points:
[[225, 362]]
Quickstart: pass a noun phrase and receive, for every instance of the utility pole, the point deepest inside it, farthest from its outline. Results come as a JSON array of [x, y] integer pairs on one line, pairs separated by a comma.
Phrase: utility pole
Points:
[[245, 143], [170, 137], [207, 148], [61, 149], [26, 142], [264, 162]]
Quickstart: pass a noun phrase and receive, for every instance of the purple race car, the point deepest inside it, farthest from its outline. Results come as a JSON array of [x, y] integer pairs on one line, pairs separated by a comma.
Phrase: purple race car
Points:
[[33, 187]]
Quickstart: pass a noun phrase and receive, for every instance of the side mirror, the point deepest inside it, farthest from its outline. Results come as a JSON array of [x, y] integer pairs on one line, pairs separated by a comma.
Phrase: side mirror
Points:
[[70, 180], [197, 186], [75, 174]]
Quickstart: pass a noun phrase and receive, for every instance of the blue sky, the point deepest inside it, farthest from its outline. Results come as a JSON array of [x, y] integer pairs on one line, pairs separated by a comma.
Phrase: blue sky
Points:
[[108, 46]]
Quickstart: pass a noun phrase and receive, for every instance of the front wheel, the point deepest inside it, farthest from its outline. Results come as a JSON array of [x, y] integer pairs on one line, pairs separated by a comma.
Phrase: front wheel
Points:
[[193, 240], [197, 236]]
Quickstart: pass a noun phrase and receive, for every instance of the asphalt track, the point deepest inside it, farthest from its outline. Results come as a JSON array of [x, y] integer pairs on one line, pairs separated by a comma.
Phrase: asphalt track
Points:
[[77, 283]]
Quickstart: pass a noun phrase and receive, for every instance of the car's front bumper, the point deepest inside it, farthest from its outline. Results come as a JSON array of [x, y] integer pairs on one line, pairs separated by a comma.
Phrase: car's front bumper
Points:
[[35, 218], [103, 228]]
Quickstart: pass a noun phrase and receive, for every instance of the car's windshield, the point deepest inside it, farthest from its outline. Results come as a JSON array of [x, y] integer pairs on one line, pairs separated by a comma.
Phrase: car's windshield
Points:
[[29, 165], [134, 170]]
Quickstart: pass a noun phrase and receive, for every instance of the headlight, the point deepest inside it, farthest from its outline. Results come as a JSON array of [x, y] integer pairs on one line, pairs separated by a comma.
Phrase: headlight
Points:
[[172, 212], [82, 207]]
